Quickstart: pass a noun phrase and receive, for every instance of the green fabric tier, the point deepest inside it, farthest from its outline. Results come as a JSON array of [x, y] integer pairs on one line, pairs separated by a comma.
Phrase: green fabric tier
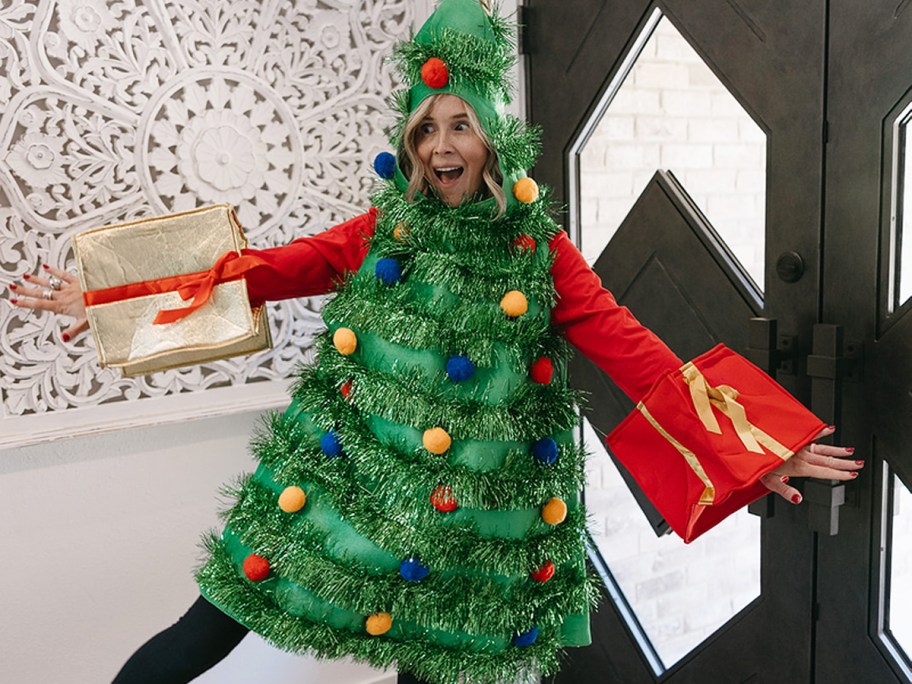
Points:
[[487, 610]]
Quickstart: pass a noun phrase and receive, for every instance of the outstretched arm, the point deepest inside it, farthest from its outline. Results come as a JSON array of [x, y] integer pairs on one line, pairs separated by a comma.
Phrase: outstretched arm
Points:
[[634, 357]]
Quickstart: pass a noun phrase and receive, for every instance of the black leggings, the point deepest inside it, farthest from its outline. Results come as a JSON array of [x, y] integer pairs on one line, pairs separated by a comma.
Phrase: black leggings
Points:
[[189, 647]]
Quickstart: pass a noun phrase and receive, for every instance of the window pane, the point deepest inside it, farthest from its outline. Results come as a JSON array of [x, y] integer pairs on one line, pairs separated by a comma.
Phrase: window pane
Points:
[[680, 593], [900, 571], [671, 112], [902, 266]]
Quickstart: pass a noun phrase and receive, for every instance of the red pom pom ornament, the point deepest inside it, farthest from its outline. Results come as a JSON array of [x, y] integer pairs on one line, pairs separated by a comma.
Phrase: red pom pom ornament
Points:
[[542, 371], [346, 389], [544, 573], [443, 500], [256, 568], [524, 243], [434, 73]]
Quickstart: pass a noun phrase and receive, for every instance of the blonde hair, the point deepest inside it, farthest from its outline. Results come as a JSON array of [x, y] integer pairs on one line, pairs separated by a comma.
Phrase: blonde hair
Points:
[[417, 173]]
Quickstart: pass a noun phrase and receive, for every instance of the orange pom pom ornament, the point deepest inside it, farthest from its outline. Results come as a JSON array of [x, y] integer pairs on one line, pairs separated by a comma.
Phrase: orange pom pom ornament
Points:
[[514, 303], [345, 340], [525, 190], [436, 440], [378, 623], [292, 499], [554, 512]]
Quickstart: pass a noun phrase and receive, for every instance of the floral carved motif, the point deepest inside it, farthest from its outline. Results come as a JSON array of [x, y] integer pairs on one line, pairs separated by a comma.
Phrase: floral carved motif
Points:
[[111, 111]]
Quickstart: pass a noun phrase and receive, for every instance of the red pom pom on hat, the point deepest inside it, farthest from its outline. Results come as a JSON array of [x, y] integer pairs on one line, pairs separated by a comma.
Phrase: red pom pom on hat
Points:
[[434, 73], [256, 568], [542, 371]]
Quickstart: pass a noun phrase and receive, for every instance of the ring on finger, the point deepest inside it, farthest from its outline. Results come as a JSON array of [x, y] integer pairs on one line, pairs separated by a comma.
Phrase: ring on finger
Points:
[[47, 293], [54, 282]]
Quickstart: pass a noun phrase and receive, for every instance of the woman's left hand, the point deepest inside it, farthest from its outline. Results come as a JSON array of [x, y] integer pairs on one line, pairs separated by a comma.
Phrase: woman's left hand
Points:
[[822, 461]]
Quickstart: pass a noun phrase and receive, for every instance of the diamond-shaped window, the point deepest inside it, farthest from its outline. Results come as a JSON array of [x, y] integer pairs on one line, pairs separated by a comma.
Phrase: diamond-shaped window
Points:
[[668, 110]]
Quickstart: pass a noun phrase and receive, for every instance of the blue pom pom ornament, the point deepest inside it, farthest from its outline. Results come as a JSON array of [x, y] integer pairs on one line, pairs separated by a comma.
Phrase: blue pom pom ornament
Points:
[[388, 271], [459, 368], [385, 165], [413, 570], [545, 450], [526, 639], [330, 444]]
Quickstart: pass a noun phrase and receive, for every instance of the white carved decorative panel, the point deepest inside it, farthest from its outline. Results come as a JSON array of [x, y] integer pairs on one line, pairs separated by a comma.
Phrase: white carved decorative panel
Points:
[[111, 111]]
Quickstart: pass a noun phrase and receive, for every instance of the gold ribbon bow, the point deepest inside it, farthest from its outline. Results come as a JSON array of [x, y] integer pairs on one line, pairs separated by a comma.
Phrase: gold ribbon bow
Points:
[[725, 399]]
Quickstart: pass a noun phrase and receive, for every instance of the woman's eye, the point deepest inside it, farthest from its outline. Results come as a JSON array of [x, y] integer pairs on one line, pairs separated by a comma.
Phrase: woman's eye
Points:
[[462, 126], [426, 129]]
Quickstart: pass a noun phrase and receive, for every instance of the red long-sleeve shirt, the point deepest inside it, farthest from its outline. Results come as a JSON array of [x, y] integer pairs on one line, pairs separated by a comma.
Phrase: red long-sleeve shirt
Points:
[[587, 314]]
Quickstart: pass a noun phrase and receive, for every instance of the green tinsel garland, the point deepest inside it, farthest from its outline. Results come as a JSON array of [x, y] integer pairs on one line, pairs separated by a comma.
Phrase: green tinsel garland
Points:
[[408, 478], [533, 412], [425, 532], [442, 665]]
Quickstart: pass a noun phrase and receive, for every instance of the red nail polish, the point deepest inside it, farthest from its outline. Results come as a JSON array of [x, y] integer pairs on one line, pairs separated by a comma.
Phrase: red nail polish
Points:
[[829, 427], [796, 499], [859, 462], [65, 337], [851, 450], [45, 266], [26, 276], [13, 287], [855, 474], [13, 301], [784, 478]]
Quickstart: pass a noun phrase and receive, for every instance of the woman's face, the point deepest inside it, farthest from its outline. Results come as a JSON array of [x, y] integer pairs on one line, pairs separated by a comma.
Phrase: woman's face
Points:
[[451, 150]]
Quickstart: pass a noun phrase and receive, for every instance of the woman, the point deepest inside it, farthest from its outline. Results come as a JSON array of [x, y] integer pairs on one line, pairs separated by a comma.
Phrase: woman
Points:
[[416, 503]]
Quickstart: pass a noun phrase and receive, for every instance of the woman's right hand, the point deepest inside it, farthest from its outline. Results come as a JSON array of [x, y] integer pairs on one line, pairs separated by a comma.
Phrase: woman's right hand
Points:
[[59, 292]]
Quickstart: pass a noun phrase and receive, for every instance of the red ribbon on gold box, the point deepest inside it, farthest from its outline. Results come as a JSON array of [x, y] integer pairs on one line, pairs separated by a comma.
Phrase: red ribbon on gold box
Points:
[[703, 436], [169, 291]]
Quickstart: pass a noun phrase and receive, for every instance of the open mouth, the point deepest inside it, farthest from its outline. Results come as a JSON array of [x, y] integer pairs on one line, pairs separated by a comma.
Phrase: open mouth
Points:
[[448, 174]]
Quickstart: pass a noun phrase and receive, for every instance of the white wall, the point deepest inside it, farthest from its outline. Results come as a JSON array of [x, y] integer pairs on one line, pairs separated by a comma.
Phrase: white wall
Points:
[[99, 539]]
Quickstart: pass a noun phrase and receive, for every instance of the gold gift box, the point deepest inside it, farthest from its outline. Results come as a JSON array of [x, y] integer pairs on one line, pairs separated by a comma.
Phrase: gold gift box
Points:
[[141, 254]]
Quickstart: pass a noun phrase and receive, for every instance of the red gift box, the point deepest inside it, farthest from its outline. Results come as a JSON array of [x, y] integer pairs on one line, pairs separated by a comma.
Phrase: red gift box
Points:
[[704, 435]]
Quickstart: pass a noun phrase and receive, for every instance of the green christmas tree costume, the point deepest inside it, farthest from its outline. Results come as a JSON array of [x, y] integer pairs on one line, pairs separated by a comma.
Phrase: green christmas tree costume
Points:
[[417, 504]]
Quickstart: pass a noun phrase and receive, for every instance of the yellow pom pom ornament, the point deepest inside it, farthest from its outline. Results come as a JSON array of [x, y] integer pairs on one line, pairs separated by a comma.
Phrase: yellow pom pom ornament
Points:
[[345, 341], [554, 512], [514, 303], [378, 623], [525, 190], [400, 232], [436, 440], [292, 499]]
